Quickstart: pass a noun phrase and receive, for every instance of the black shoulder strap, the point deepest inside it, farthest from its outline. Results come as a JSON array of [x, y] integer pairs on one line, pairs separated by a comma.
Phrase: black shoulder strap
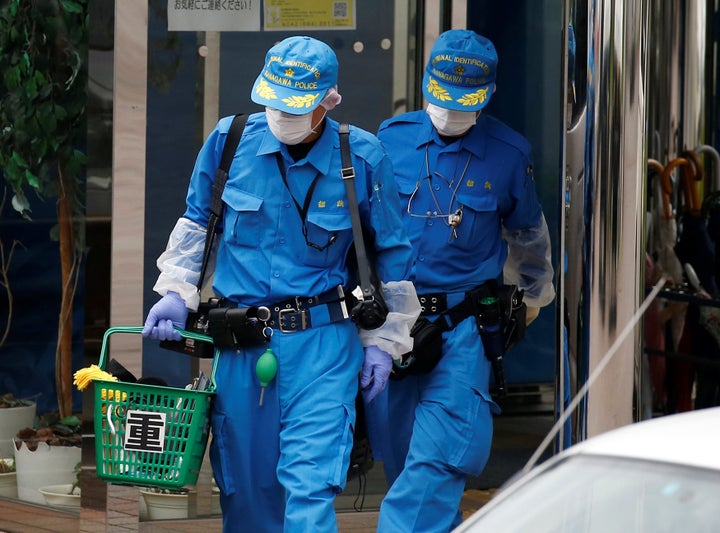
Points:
[[221, 175], [348, 174]]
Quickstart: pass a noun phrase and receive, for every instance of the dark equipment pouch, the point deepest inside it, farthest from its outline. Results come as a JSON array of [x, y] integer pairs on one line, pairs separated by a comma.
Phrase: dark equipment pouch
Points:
[[361, 455], [228, 326], [515, 313], [238, 327], [500, 316], [426, 352]]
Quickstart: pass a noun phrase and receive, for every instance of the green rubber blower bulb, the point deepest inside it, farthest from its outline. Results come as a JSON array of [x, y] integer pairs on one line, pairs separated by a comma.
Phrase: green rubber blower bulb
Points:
[[266, 370]]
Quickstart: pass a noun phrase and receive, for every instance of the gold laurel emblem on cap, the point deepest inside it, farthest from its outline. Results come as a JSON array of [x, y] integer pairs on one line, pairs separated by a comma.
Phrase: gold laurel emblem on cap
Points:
[[438, 92], [289, 72], [301, 101], [478, 97], [265, 91]]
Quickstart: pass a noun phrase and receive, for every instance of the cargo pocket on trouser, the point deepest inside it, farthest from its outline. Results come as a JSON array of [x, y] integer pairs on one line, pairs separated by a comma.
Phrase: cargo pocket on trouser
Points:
[[475, 453], [340, 465], [220, 458]]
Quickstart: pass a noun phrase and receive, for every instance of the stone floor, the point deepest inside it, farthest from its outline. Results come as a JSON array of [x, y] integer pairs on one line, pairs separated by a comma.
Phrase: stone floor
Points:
[[22, 517], [117, 509]]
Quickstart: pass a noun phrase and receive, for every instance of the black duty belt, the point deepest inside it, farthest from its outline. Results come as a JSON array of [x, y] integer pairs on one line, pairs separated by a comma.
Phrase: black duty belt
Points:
[[303, 312], [454, 307], [433, 303]]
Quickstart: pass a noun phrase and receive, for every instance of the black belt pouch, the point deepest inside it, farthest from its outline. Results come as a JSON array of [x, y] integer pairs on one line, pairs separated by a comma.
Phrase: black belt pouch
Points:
[[236, 327], [426, 352]]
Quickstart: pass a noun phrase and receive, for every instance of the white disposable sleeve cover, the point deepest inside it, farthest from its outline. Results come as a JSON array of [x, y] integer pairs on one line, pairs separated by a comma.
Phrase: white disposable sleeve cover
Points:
[[393, 336], [529, 264], [181, 262]]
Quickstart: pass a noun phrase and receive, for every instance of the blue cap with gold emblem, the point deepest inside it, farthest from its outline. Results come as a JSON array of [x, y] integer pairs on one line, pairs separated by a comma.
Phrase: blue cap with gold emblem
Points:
[[298, 72], [460, 73]]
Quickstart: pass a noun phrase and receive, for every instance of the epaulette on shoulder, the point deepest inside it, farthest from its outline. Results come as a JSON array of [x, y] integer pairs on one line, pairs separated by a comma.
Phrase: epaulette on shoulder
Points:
[[223, 125], [504, 133], [365, 145], [412, 117]]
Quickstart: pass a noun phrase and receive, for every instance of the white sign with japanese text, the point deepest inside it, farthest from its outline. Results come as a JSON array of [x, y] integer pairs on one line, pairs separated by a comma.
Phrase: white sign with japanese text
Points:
[[214, 15], [145, 431]]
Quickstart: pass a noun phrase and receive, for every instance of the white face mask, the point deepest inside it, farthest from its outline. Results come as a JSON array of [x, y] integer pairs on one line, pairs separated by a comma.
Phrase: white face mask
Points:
[[449, 122], [287, 128]]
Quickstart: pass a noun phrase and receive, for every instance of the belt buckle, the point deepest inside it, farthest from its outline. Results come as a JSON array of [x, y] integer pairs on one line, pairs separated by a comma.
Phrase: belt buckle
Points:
[[300, 327]]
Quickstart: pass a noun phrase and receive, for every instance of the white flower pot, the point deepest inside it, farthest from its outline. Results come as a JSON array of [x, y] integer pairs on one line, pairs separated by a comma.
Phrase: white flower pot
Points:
[[8, 481], [60, 496], [165, 506], [11, 420], [48, 465]]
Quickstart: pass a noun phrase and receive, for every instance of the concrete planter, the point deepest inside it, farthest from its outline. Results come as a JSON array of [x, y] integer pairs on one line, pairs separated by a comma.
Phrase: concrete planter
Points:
[[11, 420], [47, 465]]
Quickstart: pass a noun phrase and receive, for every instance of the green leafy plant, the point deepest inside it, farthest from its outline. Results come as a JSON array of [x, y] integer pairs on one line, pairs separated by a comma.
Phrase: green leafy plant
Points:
[[76, 483], [43, 60]]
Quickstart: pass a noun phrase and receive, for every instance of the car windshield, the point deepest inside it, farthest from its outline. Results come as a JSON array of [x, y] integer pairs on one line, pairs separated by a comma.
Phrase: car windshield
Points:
[[599, 495]]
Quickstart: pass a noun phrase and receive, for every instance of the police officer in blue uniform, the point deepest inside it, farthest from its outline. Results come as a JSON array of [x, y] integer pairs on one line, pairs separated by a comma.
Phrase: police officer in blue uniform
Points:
[[470, 207], [284, 245]]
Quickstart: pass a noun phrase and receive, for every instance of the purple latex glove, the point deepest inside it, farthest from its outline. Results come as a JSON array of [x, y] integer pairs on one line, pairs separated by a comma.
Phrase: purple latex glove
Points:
[[170, 312], [375, 372]]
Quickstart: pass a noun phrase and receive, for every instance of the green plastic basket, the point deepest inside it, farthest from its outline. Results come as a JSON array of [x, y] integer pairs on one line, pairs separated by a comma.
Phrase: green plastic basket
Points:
[[150, 435]]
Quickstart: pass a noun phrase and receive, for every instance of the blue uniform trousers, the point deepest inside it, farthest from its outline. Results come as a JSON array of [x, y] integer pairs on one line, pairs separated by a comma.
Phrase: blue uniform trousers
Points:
[[279, 466], [431, 431]]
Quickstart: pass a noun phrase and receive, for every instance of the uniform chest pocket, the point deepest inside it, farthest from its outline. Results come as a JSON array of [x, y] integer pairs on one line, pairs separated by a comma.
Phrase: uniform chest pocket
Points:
[[328, 235], [242, 217], [405, 188], [480, 224]]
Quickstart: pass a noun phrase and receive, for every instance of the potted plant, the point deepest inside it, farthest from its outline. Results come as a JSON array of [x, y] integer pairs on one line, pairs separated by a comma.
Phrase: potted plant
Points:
[[8, 481], [64, 495], [15, 414], [167, 504], [47, 455], [42, 111]]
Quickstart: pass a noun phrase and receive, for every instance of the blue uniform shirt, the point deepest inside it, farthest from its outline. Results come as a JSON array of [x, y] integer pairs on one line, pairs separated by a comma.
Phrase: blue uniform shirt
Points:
[[484, 177], [262, 256]]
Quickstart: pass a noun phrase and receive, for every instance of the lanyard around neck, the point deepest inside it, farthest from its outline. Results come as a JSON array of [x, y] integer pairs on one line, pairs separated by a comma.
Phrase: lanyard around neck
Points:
[[302, 210]]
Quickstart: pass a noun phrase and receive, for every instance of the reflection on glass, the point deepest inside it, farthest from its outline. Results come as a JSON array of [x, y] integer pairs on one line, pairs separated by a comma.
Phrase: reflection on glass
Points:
[[598, 495]]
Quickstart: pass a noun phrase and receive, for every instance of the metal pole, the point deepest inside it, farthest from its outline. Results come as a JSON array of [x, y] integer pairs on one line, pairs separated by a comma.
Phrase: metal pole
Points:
[[615, 208]]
